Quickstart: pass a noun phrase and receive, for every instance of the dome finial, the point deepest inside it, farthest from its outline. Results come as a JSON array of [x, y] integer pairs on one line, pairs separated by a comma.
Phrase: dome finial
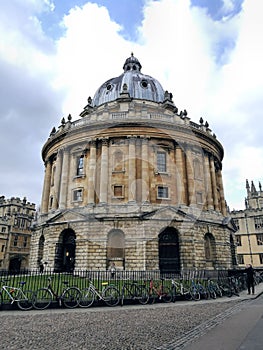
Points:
[[131, 54]]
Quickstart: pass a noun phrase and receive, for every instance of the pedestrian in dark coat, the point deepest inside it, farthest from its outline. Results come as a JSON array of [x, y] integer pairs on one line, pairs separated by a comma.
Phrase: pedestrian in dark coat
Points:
[[250, 279]]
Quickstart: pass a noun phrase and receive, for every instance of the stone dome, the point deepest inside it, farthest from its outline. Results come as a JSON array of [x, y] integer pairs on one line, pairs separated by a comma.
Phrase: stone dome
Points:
[[132, 81]]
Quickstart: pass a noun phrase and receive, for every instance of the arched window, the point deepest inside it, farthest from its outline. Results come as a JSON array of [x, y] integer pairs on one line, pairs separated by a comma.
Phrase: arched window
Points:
[[116, 248], [210, 251]]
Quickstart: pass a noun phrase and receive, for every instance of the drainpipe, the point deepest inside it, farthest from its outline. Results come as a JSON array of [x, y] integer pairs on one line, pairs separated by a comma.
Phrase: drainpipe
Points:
[[249, 243]]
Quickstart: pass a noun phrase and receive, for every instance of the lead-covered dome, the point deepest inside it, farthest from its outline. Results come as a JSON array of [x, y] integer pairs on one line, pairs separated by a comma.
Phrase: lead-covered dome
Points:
[[132, 81]]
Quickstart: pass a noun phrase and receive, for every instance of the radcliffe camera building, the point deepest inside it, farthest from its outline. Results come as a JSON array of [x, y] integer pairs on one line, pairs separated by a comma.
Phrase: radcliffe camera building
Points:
[[135, 182]]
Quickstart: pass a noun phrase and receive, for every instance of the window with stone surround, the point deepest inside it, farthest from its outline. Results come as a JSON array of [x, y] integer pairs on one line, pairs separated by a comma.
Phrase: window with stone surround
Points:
[[260, 239], [80, 165], [118, 191], [77, 195], [238, 240], [161, 162], [240, 259], [162, 192], [236, 222], [53, 175], [199, 197], [258, 221], [15, 240]]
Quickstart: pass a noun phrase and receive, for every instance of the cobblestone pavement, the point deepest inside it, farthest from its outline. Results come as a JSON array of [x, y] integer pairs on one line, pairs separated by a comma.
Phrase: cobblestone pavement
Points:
[[160, 326]]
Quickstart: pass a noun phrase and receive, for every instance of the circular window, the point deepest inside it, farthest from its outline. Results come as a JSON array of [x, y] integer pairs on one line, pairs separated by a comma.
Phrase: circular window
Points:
[[144, 84], [109, 87]]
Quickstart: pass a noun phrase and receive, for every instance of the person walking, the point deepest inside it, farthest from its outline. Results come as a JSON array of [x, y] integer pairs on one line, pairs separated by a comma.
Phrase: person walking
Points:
[[41, 266], [112, 270], [250, 279]]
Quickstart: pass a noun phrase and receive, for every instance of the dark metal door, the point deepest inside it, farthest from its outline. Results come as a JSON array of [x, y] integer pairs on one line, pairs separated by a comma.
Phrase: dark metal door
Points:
[[169, 254]]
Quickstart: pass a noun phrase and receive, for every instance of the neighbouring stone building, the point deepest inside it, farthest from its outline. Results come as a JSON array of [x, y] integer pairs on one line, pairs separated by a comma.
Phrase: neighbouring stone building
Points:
[[16, 217], [134, 182], [249, 223]]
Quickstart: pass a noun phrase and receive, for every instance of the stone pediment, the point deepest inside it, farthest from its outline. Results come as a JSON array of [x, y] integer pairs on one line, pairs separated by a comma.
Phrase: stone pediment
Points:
[[229, 222], [67, 216], [169, 213]]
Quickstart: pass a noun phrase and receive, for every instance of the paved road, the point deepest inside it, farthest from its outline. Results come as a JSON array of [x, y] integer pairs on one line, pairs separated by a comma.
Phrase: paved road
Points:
[[242, 331]]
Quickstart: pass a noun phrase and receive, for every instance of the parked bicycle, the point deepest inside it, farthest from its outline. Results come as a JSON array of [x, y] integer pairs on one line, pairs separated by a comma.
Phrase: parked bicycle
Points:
[[69, 297], [179, 289], [23, 298], [160, 292], [109, 294], [214, 289], [132, 290]]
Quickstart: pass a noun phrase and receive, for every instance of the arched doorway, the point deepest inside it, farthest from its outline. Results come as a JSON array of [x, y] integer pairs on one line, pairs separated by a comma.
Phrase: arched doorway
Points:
[[169, 253], [116, 249], [65, 252], [15, 264]]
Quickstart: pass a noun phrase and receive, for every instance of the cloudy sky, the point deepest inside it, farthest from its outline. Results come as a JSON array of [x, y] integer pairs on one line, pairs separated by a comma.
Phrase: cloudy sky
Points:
[[54, 54]]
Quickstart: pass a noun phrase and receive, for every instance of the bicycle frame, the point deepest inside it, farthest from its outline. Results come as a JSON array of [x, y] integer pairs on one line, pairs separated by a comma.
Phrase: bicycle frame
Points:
[[96, 291], [180, 287], [12, 292]]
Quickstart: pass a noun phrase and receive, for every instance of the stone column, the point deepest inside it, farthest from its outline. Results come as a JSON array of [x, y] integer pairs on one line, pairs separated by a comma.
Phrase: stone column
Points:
[[104, 171], [92, 168], [145, 171], [46, 188], [64, 180], [190, 176], [57, 180], [222, 197], [214, 187], [132, 171], [181, 176], [86, 185], [208, 182]]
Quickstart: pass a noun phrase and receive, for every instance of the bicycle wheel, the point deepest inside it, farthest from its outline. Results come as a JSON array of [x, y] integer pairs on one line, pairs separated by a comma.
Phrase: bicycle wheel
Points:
[[111, 296], [166, 295], [212, 293], [86, 297], [226, 290], [1, 300], [152, 297], [42, 299], [194, 294], [187, 294], [203, 292], [143, 295], [71, 297], [25, 299]]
